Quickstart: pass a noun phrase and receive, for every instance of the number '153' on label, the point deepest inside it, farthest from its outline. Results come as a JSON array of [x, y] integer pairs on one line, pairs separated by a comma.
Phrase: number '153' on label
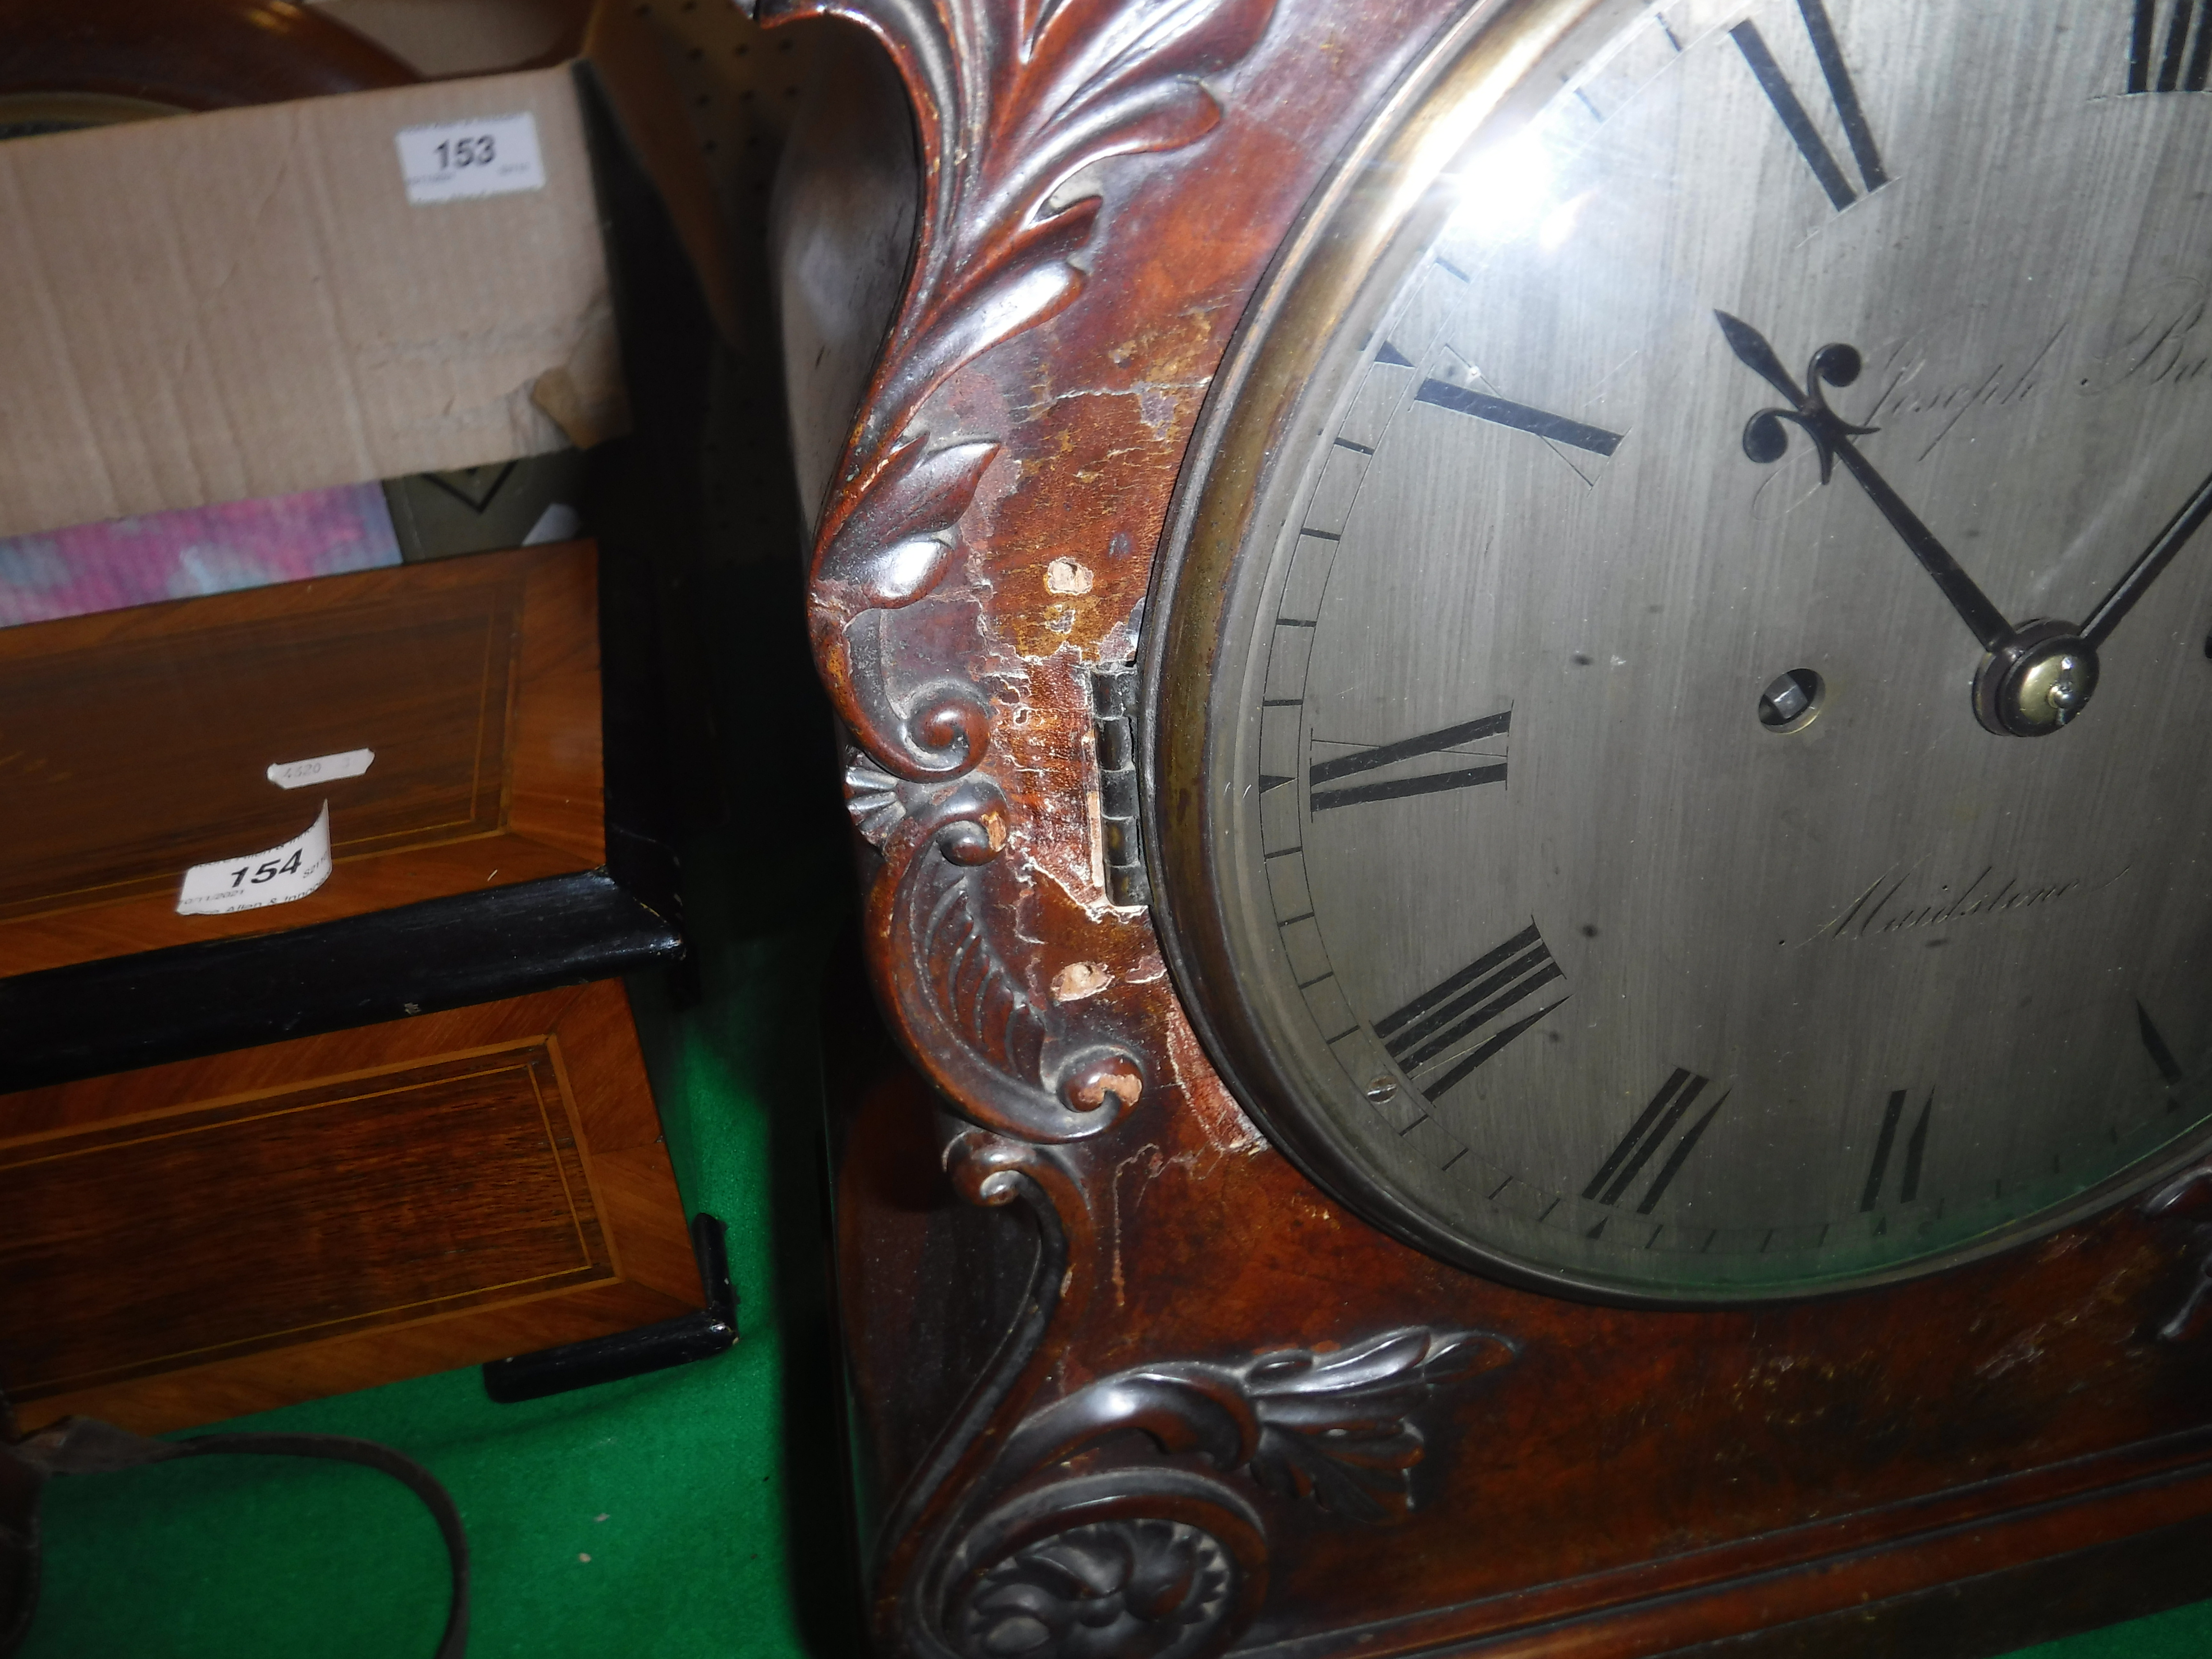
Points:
[[488, 155]]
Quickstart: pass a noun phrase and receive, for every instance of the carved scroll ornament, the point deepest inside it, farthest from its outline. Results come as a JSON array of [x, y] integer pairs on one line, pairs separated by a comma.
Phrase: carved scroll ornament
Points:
[[1170, 1562], [1015, 100]]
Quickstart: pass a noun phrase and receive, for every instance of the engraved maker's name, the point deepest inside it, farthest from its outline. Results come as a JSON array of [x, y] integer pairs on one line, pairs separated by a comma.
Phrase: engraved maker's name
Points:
[[1877, 910]]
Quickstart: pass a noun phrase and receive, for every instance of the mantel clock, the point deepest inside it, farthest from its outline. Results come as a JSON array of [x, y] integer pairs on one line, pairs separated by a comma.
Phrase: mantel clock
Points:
[[1529, 681]]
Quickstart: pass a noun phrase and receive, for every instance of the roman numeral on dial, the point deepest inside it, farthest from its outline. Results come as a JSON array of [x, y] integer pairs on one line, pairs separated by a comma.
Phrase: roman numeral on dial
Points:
[[1916, 1150], [1652, 1130], [1522, 418], [2162, 57], [1489, 768], [2161, 1055], [1787, 105], [1424, 1037]]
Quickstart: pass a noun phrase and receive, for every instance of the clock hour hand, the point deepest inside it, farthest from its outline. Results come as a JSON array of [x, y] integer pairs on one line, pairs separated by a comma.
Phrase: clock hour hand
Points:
[[2145, 571], [1765, 441]]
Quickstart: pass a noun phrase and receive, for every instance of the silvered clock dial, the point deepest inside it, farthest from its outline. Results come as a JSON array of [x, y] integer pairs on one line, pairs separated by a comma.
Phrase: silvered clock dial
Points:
[[1680, 713]]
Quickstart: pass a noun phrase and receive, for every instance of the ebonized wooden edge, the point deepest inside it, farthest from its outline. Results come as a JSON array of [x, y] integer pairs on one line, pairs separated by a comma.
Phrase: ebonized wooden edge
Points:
[[123, 1013], [653, 1347], [640, 811]]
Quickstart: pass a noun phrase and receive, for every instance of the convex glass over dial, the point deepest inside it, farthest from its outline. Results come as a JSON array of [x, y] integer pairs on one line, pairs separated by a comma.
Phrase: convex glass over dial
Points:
[[1680, 719]]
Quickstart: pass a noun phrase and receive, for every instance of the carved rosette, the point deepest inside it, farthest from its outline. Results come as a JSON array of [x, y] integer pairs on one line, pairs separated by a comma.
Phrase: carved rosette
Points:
[[1157, 1587], [1160, 1558]]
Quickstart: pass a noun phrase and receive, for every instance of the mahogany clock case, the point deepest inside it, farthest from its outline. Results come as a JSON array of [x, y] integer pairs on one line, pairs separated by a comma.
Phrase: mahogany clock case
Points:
[[1126, 1381]]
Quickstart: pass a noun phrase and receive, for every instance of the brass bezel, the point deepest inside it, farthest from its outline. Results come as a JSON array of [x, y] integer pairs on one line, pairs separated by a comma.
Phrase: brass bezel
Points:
[[1474, 82]]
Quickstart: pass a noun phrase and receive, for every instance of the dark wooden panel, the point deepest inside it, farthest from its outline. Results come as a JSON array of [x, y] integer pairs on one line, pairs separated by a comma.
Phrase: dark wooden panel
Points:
[[136, 1247], [223, 1234], [135, 743], [129, 757], [2001, 1611]]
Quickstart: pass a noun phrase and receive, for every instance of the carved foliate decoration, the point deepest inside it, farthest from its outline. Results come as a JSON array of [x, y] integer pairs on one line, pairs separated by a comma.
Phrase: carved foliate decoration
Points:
[[1015, 101], [1339, 1428], [997, 1547], [871, 798], [1015, 98], [1336, 1428], [1181, 1563]]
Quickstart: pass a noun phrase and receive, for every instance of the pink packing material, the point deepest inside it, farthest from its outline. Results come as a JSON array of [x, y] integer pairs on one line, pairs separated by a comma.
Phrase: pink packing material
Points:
[[194, 550]]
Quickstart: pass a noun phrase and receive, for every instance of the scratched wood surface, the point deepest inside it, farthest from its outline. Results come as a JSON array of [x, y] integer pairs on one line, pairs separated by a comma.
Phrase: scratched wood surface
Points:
[[1192, 1404]]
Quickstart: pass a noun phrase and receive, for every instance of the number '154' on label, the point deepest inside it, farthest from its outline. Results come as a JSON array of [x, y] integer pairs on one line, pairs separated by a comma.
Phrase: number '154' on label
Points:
[[248, 882]]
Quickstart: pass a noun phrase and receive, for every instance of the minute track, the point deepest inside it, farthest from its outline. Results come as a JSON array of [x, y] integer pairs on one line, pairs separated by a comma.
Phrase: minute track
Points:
[[1693, 866]]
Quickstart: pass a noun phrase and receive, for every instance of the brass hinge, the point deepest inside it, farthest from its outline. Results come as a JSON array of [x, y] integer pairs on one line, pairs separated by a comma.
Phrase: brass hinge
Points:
[[1113, 727]]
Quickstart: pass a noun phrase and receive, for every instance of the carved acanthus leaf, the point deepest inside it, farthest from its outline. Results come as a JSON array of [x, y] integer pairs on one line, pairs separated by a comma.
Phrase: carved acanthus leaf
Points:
[[955, 967], [1338, 1427], [977, 993], [871, 798], [893, 546], [1016, 98], [1038, 92], [1165, 1560]]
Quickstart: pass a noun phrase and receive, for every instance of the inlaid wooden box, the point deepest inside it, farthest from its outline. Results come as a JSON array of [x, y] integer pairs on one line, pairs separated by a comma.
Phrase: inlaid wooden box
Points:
[[398, 1125], [188, 1241], [508, 837], [135, 743]]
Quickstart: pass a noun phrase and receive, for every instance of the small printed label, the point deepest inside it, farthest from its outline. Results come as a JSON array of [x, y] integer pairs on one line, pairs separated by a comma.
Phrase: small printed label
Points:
[[275, 877], [295, 775], [453, 161]]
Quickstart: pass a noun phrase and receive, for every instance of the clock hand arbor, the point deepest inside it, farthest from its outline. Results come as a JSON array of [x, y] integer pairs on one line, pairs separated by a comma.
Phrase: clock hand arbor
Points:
[[2037, 676]]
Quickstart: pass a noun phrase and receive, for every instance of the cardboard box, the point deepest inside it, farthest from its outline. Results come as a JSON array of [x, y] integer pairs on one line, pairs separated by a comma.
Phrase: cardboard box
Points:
[[258, 302]]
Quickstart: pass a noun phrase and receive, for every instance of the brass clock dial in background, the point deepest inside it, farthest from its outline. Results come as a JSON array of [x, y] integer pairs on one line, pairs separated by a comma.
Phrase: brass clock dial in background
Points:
[[1688, 782]]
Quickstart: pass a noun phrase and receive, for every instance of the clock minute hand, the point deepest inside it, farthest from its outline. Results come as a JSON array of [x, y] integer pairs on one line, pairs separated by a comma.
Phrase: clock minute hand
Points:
[[2145, 571], [1765, 441]]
